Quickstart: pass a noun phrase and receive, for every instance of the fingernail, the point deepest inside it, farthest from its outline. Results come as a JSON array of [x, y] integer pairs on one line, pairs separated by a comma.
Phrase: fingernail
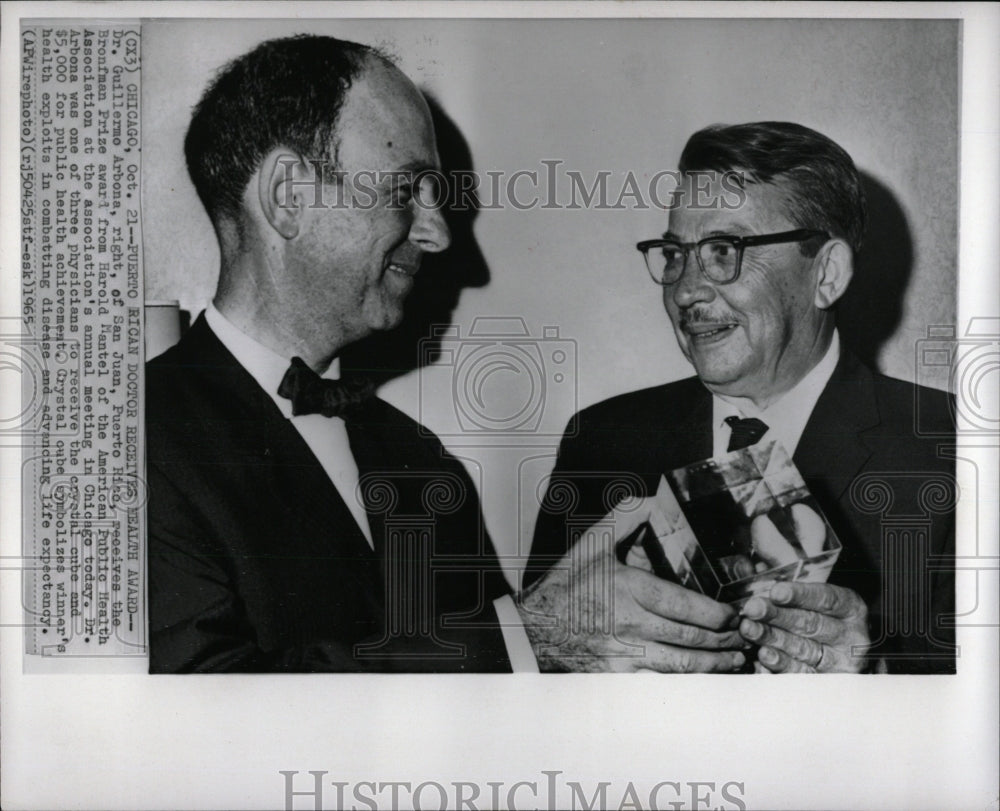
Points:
[[754, 608], [781, 593], [767, 656], [751, 629], [738, 660]]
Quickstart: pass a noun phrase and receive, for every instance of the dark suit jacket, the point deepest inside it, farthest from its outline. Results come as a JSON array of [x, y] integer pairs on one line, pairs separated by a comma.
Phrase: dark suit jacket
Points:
[[887, 492], [255, 562]]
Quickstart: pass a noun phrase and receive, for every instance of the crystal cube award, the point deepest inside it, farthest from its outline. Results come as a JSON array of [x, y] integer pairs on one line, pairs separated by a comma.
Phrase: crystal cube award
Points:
[[734, 525]]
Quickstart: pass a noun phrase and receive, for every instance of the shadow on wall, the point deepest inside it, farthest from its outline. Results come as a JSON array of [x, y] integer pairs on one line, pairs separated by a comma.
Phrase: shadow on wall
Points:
[[387, 355], [871, 310]]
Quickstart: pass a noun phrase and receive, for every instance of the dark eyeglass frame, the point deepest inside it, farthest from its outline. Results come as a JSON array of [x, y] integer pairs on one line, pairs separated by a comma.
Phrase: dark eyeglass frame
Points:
[[739, 243]]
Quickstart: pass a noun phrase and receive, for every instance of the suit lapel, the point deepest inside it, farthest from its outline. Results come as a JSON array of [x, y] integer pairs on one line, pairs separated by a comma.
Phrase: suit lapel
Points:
[[371, 466], [294, 476], [385, 457], [300, 482], [692, 440], [833, 448]]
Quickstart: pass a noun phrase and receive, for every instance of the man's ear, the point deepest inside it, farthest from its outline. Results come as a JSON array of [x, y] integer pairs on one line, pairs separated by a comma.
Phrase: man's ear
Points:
[[836, 267], [284, 182]]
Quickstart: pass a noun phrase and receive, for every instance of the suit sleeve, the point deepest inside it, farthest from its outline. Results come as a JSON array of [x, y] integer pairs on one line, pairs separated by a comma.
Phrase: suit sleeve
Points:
[[589, 479], [199, 625], [550, 540]]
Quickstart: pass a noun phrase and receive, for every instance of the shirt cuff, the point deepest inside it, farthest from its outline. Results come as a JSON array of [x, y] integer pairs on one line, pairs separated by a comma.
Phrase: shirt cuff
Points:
[[522, 657]]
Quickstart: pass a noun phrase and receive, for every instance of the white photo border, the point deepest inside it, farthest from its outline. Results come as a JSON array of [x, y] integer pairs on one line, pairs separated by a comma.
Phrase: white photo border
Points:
[[136, 741]]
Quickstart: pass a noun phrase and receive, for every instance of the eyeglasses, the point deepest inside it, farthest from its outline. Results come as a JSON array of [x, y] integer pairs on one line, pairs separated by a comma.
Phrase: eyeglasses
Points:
[[720, 258]]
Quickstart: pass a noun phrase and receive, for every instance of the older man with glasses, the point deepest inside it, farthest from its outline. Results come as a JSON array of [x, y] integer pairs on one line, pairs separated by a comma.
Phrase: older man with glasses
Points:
[[751, 285]]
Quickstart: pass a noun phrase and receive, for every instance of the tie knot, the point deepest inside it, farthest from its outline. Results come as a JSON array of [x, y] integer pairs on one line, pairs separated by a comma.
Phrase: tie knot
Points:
[[745, 432], [312, 394]]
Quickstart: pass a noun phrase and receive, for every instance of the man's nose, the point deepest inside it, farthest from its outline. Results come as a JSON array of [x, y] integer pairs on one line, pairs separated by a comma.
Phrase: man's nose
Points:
[[692, 287], [429, 229]]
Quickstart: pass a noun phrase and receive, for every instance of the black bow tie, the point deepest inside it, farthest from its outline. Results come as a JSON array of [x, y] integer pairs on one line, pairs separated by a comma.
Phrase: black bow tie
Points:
[[312, 394], [746, 432]]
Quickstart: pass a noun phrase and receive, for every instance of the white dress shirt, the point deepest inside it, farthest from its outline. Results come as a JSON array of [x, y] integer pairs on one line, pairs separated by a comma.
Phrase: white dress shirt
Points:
[[327, 439], [325, 436], [787, 416]]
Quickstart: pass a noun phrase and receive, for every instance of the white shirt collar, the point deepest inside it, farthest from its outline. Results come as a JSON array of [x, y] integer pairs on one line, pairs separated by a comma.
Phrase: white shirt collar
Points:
[[264, 365], [787, 416]]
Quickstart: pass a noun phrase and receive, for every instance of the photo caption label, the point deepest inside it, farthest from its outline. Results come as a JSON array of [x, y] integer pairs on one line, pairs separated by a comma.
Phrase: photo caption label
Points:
[[80, 346]]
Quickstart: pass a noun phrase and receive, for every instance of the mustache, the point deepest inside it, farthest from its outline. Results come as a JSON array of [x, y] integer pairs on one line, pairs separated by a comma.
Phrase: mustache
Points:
[[701, 318]]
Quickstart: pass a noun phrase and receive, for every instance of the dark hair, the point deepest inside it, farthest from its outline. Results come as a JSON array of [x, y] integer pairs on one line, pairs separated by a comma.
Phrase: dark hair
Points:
[[285, 91], [824, 185]]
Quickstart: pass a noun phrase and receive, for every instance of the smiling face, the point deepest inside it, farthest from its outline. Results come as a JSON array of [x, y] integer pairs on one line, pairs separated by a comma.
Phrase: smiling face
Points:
[[758, 336], [352, 264]]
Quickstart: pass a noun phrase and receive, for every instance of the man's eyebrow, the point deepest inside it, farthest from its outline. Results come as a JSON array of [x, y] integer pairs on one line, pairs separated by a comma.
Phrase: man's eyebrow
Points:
[[732, 231]]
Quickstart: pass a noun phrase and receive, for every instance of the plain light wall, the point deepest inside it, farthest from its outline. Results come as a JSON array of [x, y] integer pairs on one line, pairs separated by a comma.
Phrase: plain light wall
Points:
[[614, 95]]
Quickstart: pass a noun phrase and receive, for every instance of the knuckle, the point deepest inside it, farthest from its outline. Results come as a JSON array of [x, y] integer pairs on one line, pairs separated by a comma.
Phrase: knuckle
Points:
[[811, 623], [720, 620], [796, 647], [730, 639], [716, 616], [768, 634], [645, 587], [779, 664], [829, 599], [689, 635], [784, 642], [624, 625], [722, 664], [631, 585], [670, 605], [684, 662], [813, 655]]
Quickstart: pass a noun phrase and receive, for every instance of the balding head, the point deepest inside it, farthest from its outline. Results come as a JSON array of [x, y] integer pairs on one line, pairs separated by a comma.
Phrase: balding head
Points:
[[323, 239], [284, 92]]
